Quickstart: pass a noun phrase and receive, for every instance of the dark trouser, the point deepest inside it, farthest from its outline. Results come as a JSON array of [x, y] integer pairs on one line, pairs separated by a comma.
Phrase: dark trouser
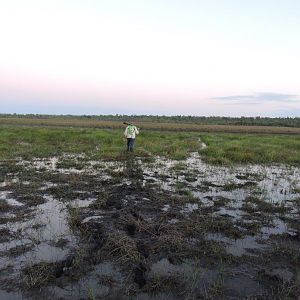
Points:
[[130, 144]]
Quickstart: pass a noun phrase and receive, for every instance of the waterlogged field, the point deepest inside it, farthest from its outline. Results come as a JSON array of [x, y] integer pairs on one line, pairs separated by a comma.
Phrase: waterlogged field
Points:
[[187, 216]]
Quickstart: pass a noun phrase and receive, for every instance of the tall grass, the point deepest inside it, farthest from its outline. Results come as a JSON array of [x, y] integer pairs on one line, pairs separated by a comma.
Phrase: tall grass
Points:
[[27, 142], [223, 148], [249, 148]]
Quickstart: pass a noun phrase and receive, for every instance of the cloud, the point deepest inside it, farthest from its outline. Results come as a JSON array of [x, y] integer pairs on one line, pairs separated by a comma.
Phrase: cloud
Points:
[[260, 98]]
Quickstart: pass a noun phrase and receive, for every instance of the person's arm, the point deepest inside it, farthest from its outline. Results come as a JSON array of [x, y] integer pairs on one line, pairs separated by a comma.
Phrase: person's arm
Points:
[[136, 130], [125, 132]]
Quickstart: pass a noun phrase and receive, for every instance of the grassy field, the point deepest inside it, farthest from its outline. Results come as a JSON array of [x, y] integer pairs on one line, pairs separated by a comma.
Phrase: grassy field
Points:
[[222, 148], [249, 148], [92, 123]]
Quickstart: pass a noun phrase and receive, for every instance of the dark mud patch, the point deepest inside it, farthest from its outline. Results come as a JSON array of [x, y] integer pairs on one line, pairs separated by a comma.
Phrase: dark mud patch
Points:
[[4, 206], [5, 235]]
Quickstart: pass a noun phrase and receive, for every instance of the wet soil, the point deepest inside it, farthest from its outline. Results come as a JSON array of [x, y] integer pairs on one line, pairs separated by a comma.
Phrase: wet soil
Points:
[[71, 228]]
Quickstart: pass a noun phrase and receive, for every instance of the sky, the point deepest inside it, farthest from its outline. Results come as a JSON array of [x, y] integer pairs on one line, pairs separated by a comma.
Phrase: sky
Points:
[[162, 57]]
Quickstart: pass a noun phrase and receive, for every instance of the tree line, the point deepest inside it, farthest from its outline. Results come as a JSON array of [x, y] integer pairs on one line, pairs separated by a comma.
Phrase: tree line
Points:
[[201, 120]]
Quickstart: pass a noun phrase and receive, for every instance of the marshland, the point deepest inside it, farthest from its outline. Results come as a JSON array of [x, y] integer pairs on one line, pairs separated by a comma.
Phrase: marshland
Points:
[[188, 215]]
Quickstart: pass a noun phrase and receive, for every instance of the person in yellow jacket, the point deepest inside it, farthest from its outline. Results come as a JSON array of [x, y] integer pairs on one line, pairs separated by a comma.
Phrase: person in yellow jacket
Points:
[[130, 133]]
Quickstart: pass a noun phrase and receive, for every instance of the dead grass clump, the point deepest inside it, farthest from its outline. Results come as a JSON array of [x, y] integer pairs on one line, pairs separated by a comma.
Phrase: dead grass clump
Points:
[[212, 249], [285, 290], [4, 235], [107, 280], [133, 223], [162, 283], [200, 225], [216, 291], [122, 248], [173, 243], [194, 226], [78, 262], [39, 274]]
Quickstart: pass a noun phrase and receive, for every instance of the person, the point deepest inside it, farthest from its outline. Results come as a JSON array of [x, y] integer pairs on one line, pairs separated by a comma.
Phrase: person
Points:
[[130, 133]]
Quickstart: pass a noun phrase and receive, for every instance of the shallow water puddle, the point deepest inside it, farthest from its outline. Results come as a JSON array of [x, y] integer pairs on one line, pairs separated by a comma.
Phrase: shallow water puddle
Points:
[[4, 196], [190, 207], [237, 247], [188, 270], [92, 218], [82, 203], [166, 207], [35, 238]]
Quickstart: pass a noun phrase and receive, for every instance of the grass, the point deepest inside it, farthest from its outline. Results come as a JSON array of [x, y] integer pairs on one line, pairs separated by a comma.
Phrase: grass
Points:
[[223, 148], [74, 220], [39, 274], [253, 204], [122, 247], [145, 125], [248, 148], [162, 283], [28, 142]]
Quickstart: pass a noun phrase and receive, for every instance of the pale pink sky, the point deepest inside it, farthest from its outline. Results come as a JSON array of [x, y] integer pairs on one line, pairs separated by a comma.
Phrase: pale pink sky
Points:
[[182, 57]]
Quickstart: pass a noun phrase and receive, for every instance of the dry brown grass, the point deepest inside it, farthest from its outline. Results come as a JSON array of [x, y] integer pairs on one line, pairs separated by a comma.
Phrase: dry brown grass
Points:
[[39, 274], [163, 283], [173, 242], [149, 125], [122, 248]]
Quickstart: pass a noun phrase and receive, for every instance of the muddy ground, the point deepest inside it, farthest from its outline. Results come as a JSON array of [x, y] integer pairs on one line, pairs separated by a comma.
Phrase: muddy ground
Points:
[[148, 228]]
